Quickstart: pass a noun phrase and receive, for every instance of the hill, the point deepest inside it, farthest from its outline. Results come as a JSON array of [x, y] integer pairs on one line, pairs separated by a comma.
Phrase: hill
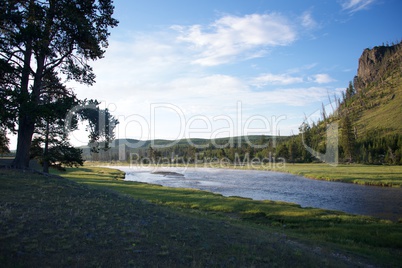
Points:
[[184, 148], [377, 104], [141, 144], [370, 112]]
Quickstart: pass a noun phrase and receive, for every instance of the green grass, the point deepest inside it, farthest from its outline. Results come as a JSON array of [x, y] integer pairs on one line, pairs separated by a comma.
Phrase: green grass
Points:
[[387, 113], [375, 175], [54, 222], [377, 239], [359, 174], [97, 219]]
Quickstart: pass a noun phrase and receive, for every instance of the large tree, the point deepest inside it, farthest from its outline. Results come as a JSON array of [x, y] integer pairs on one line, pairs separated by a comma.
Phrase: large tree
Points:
[[42, 37], [50, 144], [61, 112]]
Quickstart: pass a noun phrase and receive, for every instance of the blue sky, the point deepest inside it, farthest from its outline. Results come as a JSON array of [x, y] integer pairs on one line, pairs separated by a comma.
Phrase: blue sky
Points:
[[209, 69]]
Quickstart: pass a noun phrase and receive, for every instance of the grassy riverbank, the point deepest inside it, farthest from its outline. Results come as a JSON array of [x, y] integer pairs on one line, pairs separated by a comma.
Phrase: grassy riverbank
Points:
[[390, 176], [373, 238], [48, 221], [375, 175], [54, 222]]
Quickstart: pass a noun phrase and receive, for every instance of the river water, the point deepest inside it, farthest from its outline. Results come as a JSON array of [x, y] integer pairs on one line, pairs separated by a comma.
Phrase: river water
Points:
[[374, 201]]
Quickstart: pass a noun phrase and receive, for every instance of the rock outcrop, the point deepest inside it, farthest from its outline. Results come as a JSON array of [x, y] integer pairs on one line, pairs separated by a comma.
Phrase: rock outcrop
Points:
[[375, 62]]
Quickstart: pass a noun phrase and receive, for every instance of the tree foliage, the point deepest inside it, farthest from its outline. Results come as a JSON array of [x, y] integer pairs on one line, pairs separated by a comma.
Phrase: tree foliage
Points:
[[59, 155], [50, 141], [347, 140], [4, 142], [41, 38], [101, 125]]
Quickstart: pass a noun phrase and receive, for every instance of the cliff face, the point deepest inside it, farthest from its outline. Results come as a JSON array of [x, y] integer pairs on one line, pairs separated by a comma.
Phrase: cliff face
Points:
[[375, 64], [377, 104]]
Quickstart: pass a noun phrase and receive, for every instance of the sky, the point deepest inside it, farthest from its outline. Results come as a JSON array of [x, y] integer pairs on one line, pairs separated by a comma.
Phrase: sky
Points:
[[184, 69]]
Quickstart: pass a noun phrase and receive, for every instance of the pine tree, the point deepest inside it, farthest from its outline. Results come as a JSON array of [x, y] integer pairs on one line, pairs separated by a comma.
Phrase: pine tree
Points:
[[350, 91], [4, 142], [42, 37], [347, 138]]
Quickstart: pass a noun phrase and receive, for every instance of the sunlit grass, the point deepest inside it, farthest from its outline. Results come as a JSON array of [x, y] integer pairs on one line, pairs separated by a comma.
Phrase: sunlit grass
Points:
[[376, 175], [359, 174]]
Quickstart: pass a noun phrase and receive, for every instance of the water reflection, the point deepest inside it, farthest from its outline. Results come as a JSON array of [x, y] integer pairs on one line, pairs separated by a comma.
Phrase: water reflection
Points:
[[266, 185]]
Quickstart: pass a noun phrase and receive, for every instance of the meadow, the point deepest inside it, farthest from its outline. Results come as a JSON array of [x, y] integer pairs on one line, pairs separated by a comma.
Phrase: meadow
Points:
[[376, 175], [360, 234], [91, 217]]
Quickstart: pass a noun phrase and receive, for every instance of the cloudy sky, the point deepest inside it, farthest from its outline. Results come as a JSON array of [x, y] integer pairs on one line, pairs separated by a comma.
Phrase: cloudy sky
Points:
[[209, 69]]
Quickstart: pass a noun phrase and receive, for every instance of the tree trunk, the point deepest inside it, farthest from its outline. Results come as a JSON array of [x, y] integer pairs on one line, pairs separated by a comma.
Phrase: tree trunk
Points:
[[46, 150], [25, 132], [46, 166], [28, 113], [25, 122]]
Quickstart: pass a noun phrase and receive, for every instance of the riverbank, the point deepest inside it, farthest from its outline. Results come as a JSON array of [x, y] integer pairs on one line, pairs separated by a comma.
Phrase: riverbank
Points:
[[279, 186], [87, 221], [377, 240], [374, 175]]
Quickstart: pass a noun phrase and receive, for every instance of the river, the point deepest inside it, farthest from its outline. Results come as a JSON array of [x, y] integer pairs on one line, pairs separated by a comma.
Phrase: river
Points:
[[381, 202]]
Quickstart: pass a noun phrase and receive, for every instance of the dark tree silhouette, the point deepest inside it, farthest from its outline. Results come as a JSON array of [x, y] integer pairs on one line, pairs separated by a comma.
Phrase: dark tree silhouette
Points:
[[101, 125], [42, 37], [50, 144], [4, 142]]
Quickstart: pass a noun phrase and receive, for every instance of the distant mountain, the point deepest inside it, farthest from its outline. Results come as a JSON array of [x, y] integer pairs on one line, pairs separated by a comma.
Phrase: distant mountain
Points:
[[140, 144], [183, 147]]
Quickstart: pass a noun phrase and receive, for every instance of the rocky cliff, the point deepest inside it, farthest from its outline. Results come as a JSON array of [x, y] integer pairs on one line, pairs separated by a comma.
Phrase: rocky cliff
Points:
[[377, 104], [377, 63]]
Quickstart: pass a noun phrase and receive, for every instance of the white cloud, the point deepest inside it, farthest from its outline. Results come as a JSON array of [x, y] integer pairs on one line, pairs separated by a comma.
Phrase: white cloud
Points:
[[232, 36], [275, 79], [302, 68], [151, 68], [286, 79], [307, 20], [322, 78], [212, 92], [356, 5], [291, 96], [129, 65]]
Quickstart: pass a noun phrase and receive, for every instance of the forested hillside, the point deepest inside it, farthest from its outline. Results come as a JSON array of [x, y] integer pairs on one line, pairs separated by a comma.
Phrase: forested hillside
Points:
[[377, 104], [369, 113]]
